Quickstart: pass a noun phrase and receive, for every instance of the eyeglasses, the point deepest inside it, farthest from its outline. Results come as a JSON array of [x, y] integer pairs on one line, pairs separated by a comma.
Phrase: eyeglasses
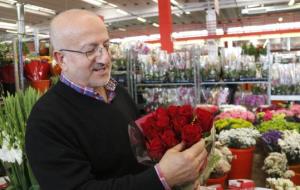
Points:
[[90, 55]]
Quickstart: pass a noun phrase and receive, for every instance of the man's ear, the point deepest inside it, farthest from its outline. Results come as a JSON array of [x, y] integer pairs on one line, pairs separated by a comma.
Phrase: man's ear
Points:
[[59, 58]]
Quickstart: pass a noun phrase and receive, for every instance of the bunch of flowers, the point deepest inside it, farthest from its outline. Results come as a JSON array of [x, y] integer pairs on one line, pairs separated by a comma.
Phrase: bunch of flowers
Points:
[[281, 184], [251, 100], [245, 115], [270, 140], [239, 138], [13, 117], [296, 110], [158, 131], [167, 127], [278, 123], [232, 123], [290, 145], [223, 165], [275, 165]]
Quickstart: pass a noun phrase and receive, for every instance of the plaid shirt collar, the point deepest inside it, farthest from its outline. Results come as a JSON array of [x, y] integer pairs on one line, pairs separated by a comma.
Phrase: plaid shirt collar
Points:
[[110, 87]]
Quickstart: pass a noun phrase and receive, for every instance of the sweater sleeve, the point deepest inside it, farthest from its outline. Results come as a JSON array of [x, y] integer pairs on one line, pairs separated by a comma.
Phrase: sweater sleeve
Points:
[[58, 165]]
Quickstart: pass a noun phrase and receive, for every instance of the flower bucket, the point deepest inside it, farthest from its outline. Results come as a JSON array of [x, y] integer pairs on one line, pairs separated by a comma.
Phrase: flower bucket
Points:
[[296, 169], [241, 165], [41, 85], [220, 180], [296, 179]]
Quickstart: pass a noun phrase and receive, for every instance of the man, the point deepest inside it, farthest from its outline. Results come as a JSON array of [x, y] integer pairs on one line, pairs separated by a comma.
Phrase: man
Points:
[[77, 135]]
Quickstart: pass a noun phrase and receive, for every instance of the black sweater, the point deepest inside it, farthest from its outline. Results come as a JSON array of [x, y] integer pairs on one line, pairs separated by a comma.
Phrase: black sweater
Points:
[[76, 142]]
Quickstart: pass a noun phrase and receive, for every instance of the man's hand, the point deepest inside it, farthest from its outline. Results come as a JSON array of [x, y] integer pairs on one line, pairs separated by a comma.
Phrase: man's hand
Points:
[[180, 166]]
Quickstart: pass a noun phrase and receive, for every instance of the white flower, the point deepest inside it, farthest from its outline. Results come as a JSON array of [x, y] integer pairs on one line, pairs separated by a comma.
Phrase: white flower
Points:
[[280, 183], [9, 154], [240, 137], [290, 144]]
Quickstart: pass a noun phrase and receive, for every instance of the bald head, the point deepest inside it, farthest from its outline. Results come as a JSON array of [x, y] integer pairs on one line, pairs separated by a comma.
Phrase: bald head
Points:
[[68, 26]]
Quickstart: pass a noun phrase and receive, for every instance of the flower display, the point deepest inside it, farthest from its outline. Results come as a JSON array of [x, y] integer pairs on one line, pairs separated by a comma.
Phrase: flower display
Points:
[[278, 123], [229, 107], [281, 184], [275, 165], [245, 115], [270, 140], [290, 145], [239, 138], [232, 123]]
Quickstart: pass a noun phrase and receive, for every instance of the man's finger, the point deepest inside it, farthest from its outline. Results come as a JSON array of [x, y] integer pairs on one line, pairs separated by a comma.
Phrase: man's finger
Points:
[[197, 148]]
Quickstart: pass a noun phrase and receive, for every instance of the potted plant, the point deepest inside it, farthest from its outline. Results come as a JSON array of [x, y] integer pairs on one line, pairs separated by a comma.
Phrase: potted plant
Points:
[[37, 72], [13, 117], [232, 123], [241, 142]]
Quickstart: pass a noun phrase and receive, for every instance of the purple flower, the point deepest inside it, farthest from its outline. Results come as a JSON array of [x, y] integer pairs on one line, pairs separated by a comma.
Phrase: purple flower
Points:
[[270, 139]]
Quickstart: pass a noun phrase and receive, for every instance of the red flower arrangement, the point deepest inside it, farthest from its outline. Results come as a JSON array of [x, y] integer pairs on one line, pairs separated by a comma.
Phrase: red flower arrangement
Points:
[[167, 127]]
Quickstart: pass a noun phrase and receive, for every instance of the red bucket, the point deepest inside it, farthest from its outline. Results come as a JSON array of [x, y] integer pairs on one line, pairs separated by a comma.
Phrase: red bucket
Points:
[[220, 180], [296, 169], [241, 165]]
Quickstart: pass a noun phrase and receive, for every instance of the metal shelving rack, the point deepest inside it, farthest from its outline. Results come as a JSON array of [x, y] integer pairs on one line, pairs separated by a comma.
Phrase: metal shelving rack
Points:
[[267, 82]]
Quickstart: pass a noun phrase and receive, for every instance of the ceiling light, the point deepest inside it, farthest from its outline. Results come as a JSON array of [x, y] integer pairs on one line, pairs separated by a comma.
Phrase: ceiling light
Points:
[[141, 19], [155, 1], [155, 25], [9, 1], [43, 35], [254, 5], [39, 10], [187, 12], [291, 2], [7, 25], [122, 12], [11, 31], [280, 19], [5, 5], [122, 29], [112, 5], [97, 3], [174, 2], [177, 14]]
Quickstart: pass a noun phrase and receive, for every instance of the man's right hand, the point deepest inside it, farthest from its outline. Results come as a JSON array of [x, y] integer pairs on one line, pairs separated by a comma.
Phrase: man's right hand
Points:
[[180, 166]]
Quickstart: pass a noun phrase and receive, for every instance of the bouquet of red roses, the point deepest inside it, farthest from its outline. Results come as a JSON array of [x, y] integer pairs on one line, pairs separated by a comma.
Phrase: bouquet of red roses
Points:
[[152, 135]]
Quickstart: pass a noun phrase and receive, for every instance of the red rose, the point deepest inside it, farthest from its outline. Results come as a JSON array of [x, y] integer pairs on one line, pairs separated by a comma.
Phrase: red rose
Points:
[[169, 138], [148, 128], [205, 119], [191, 134], [172, 111], [161, 112], [162, 122], [186, 110], [179, 122], [155, 148]]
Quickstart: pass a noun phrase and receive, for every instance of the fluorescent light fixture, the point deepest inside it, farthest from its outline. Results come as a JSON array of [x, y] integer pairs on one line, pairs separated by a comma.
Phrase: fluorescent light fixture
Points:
[[112, 5], [43, 35], [156, 1], [177, 14], [9, 26], [5, 5], [141, 19], [291, 2], [103, 1], [190, 34], [97, 3], [155, 25], [174, 2], [254, 5], [122, 29], [39, 10], [122, 12], [219, 31], [9, 1], [280, 19], [11, 31], [187, 12]]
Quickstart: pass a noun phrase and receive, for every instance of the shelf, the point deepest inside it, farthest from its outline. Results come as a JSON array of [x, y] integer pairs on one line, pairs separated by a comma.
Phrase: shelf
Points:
[[236, 82], [286, 97], [164, 84]]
